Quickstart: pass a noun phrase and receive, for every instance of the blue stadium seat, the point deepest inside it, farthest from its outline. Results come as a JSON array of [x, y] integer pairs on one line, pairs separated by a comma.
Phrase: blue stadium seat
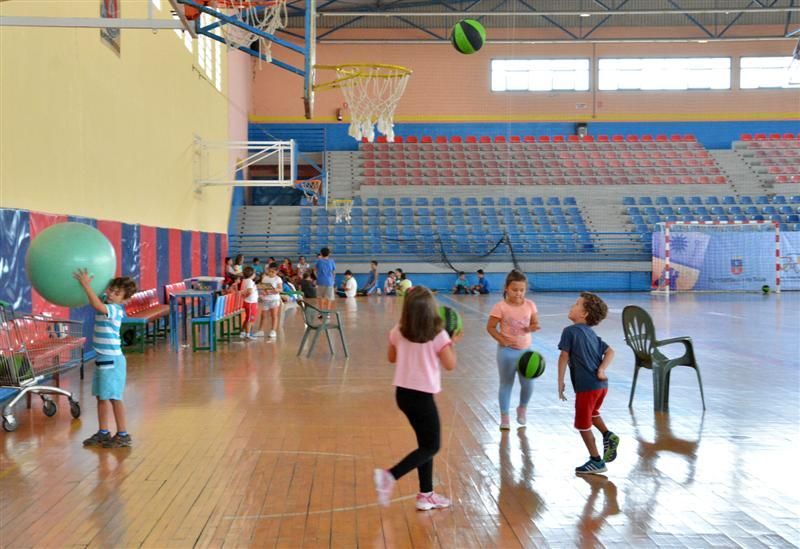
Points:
[[556, 211], [553, 201], [779, 199], [520, 201], [339, 230], [717, 210], [473, 211], [641, 228], [735, 210], [537, 201], [684, 210], [723, 218], [503, 201], [794, 199], [632, 210], [711, 200], [705, 218], [678, 201], [356, 230], [421, 201], [305, 221], [437, 201], [751, 210], [666, 210], [671, 218], [523, 210], [637, 220], [389, 212], [769, 210], [687, 218], [305, 212], [785, 210], [652, 219], [645, 201], [356, 201], [454, 201], [389, 201], [423, 211], [745, 200], [371, 202], [373, 221], [740, 218], [469, 201], [356, 211], [695, 201], [762, 200], [570, 201], [391, 230], [776, 217], [487, 201], [423, 220], [373, 212], [456, 211], [649, 210], [793, 218], [406, 212], [727, 200], [662, 201], [539, 211], [628, 201], [405, 201], [489, 210]]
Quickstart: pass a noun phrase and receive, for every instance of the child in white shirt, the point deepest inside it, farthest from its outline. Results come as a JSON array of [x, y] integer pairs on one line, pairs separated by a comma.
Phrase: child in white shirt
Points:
[[270, 298]]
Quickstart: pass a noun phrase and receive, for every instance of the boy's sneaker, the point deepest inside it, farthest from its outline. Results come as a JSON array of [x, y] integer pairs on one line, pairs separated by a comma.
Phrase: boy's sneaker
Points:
[[258, 334], [591, 467], [384, 484], [505, 422], [521, 416], [431, 500], [273, 334], [97, 439], [118, 441], [610, 443], [243, 335]]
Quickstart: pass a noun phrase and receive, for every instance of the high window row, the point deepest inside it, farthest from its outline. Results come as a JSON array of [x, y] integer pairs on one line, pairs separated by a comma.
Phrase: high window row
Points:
[[642, 74]]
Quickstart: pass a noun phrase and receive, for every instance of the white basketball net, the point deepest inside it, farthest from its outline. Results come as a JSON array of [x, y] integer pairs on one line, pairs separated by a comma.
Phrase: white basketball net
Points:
[[268, 17], [342, 209], [372, 93]]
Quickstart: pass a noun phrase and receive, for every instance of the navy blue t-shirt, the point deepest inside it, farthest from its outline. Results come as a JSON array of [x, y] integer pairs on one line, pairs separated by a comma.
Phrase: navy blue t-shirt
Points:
[[586, 351]]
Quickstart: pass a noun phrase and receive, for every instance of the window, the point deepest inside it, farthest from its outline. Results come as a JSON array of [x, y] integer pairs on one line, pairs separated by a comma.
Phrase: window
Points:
[[183, 35], [691, 73], [766, 72], [540, 75], [209, 55]]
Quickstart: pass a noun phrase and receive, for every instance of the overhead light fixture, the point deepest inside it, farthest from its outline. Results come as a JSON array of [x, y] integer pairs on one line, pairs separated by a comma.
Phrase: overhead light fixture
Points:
[[702, 41], [586, 15]]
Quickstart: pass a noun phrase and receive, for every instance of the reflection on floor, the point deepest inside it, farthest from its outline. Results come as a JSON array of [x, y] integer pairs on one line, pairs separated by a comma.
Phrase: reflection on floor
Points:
[[254, 446]]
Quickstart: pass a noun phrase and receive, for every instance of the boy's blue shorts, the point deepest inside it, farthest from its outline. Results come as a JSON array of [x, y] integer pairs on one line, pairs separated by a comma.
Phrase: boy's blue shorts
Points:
[[109, 377]]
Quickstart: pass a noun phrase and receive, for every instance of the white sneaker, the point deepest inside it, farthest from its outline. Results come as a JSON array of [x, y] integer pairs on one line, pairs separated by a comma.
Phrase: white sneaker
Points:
[[384, 484], [432, 500], [273, 334], [243, 335], [521, 413], [258, 334]]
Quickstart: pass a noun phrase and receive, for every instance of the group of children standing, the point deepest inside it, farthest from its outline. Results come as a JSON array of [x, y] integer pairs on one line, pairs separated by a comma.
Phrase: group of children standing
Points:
[[420, 347]]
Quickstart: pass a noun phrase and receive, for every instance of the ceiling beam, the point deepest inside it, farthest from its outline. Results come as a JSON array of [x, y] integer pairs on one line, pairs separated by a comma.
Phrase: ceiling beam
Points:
[[454, 14]]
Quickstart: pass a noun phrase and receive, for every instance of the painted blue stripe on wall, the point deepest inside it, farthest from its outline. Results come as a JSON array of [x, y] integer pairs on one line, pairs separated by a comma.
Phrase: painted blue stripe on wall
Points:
[[162, 257], [204, 254], [84, 314], [16, 237], [186, 254], [131, 252]]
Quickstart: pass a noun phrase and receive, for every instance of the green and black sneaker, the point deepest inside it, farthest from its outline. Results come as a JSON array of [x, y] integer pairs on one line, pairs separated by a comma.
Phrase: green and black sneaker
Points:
[[610, 443], [118, 441], [97, 439]]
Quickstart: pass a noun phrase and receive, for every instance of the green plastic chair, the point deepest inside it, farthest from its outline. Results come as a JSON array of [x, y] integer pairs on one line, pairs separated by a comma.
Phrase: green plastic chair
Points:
[[318, 321], [640, 335]]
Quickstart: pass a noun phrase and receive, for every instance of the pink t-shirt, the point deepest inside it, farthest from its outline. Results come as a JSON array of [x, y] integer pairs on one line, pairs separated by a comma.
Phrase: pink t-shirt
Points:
[[515, 320], [418, 365]]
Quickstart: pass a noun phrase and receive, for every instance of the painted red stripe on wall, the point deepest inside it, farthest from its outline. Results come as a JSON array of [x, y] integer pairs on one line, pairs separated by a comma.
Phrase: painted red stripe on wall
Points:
[[38, 223], [147, 258], [196, 269], [113, 232], [212, 254], [175, 269]]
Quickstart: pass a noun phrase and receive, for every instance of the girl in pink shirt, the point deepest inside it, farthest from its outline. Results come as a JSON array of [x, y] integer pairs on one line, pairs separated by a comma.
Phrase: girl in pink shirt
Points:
[[420, 348], [516, 318]]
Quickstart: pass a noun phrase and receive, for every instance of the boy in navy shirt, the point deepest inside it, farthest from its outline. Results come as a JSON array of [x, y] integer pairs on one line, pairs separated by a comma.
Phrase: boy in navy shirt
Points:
[[588, 357], [482, 287]]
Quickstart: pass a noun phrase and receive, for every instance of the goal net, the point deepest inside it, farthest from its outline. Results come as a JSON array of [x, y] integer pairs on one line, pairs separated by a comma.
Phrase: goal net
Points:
[[716, 257]]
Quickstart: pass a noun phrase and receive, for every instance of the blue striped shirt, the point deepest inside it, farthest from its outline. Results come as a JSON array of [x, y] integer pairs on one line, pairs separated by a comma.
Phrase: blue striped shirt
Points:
[[106, 330]]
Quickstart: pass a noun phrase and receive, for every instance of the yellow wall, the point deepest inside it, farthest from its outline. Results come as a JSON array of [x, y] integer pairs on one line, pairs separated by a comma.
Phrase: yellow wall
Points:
[[84, 131]]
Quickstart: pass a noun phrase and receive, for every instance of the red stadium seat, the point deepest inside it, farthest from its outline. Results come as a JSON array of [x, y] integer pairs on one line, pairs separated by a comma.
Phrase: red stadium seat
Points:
[[632, 138], [774, 136], [471, 139], [689, 138], [746, 137], [588, 139], [675, 138], [427, 139], [398, 139], [544, 139], [411, 139], [617, 139], [760, 136], [485, 139], [455, 139], [602, 139], [558, 139], [647, 138], [661, 138], [788, 136], [573, 139], [381, 139], [515, 139], [499, 139], [441, 139], [529, 139]]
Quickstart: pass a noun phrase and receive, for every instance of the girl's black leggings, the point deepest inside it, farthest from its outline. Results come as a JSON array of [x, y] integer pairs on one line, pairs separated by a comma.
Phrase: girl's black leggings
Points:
[[420, 409]]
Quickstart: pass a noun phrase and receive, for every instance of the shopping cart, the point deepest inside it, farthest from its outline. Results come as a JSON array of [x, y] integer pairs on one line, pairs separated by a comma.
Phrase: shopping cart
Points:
[[33, 348]]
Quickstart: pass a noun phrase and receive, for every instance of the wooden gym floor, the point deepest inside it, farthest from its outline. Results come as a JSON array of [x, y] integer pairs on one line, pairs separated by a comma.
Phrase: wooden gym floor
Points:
[[254, 447]]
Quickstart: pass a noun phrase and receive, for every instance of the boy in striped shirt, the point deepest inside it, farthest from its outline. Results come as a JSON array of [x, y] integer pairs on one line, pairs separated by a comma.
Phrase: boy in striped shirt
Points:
[[108, 382]]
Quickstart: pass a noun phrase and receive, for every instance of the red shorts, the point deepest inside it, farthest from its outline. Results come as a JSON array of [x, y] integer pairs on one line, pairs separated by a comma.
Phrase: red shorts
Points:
[[251, 310], [587, 406]]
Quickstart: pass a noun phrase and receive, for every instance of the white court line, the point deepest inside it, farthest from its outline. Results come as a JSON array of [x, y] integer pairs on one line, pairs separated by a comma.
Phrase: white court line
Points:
[[306, 513], [725, 314], [305, 453]]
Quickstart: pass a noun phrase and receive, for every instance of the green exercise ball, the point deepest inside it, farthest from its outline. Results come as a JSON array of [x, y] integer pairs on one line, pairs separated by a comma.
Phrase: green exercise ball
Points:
[[60, 250]]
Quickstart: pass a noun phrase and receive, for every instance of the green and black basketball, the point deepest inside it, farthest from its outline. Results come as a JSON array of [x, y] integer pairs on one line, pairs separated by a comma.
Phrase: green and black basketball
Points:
[[530, 364], [765, 288], [468, 36], [451, 320]]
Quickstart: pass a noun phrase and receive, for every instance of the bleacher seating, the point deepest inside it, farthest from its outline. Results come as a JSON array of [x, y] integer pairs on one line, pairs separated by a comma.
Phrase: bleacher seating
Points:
[[775, 158], [779, 208], [543, 161], [470, 225]]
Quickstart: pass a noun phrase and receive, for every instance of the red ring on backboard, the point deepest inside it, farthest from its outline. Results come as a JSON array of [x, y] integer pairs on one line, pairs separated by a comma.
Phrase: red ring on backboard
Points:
[[193, 13]]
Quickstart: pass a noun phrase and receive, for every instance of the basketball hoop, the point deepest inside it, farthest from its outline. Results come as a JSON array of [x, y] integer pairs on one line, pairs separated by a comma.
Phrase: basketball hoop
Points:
[[266, 15], [372, 92], [342, 208]]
